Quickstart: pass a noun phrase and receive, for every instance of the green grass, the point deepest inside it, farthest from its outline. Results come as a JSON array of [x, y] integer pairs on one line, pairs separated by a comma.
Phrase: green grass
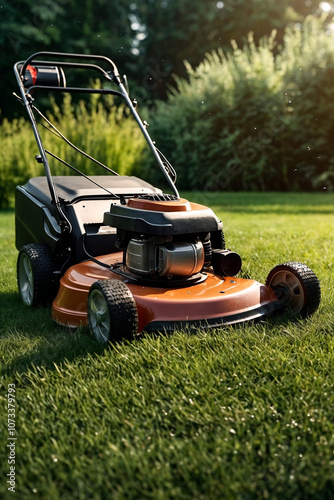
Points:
[[237, 413]]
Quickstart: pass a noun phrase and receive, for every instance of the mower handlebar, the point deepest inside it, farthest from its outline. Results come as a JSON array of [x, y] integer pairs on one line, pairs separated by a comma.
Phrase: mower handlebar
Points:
[[34, 75], [112, 74]]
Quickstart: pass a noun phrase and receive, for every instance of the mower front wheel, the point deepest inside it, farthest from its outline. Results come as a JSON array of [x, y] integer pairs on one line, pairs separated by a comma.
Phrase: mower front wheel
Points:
[[35, 280], [112, 311], [296, 286]]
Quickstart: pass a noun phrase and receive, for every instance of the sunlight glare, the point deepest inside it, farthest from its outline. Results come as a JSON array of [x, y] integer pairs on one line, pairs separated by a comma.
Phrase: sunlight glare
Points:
[[325, 6]]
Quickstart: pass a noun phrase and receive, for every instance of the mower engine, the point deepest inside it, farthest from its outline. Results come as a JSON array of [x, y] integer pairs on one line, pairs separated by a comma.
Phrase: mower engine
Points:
[[162, 256], [165, 238]]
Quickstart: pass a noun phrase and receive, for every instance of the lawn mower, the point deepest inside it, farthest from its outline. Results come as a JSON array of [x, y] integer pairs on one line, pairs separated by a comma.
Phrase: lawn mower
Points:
[[119, 254]]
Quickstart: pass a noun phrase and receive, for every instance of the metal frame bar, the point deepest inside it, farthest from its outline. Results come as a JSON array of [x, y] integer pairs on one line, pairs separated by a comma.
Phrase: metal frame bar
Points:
[[27, 103], [46, 88], [111, 75]]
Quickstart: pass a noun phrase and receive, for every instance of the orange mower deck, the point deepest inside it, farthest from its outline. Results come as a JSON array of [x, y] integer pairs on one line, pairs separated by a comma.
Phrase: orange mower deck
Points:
[[213, 302]]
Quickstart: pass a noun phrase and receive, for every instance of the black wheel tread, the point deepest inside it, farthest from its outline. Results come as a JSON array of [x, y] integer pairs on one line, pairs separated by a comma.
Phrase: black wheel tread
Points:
[[309, 282], [122, 308], [43, 266]]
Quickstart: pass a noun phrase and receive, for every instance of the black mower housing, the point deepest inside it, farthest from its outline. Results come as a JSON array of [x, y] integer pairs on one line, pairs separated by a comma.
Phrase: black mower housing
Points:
[[84, 205], [95, 216]]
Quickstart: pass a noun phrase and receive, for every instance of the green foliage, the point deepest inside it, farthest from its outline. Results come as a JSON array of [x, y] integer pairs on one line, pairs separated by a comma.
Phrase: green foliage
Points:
[[79, 26], [258, 118], [177, 30], [255, 118], [17, 163], [147, 39], [104, 130], [243, 412]]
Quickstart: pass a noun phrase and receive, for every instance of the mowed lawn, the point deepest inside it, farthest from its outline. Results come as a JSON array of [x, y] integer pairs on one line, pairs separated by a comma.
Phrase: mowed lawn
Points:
[[243, 412]]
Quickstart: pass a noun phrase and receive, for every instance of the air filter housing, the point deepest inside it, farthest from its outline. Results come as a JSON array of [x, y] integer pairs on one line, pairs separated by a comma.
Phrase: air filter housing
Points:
[[226, 262]]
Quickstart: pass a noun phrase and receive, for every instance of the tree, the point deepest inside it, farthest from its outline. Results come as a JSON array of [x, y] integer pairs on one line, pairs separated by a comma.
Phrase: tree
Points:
[[149, 39], [85, 26], [171, 31]]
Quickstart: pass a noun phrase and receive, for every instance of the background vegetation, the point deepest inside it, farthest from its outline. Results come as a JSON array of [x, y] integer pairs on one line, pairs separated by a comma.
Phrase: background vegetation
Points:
[[232, 103], [256, 118], [148, 39], [244, 412], [104, 130]]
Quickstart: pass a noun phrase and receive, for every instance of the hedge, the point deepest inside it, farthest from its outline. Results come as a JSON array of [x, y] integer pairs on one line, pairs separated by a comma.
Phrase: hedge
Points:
[[257, 118], [102, 129]]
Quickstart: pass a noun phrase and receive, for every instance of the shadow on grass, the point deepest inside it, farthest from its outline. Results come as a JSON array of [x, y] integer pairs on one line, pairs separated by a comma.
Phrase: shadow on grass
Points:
[[30, 338]]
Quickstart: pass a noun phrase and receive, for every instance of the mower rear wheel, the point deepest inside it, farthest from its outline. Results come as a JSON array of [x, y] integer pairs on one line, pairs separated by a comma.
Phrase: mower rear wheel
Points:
[[296, 286], [35, 267], [112, 311]]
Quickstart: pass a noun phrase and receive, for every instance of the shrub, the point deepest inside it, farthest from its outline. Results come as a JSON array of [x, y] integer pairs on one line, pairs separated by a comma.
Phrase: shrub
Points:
[[257, 118], [103, 129]]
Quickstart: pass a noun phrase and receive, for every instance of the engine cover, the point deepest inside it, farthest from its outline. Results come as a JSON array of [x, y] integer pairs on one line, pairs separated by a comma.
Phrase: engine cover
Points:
[[153, 256], [150, 218]]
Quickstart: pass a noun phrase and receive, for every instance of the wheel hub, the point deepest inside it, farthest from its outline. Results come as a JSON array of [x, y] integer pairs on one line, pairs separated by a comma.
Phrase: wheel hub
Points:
[[288, 290], [26, 280], [99, 316]]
